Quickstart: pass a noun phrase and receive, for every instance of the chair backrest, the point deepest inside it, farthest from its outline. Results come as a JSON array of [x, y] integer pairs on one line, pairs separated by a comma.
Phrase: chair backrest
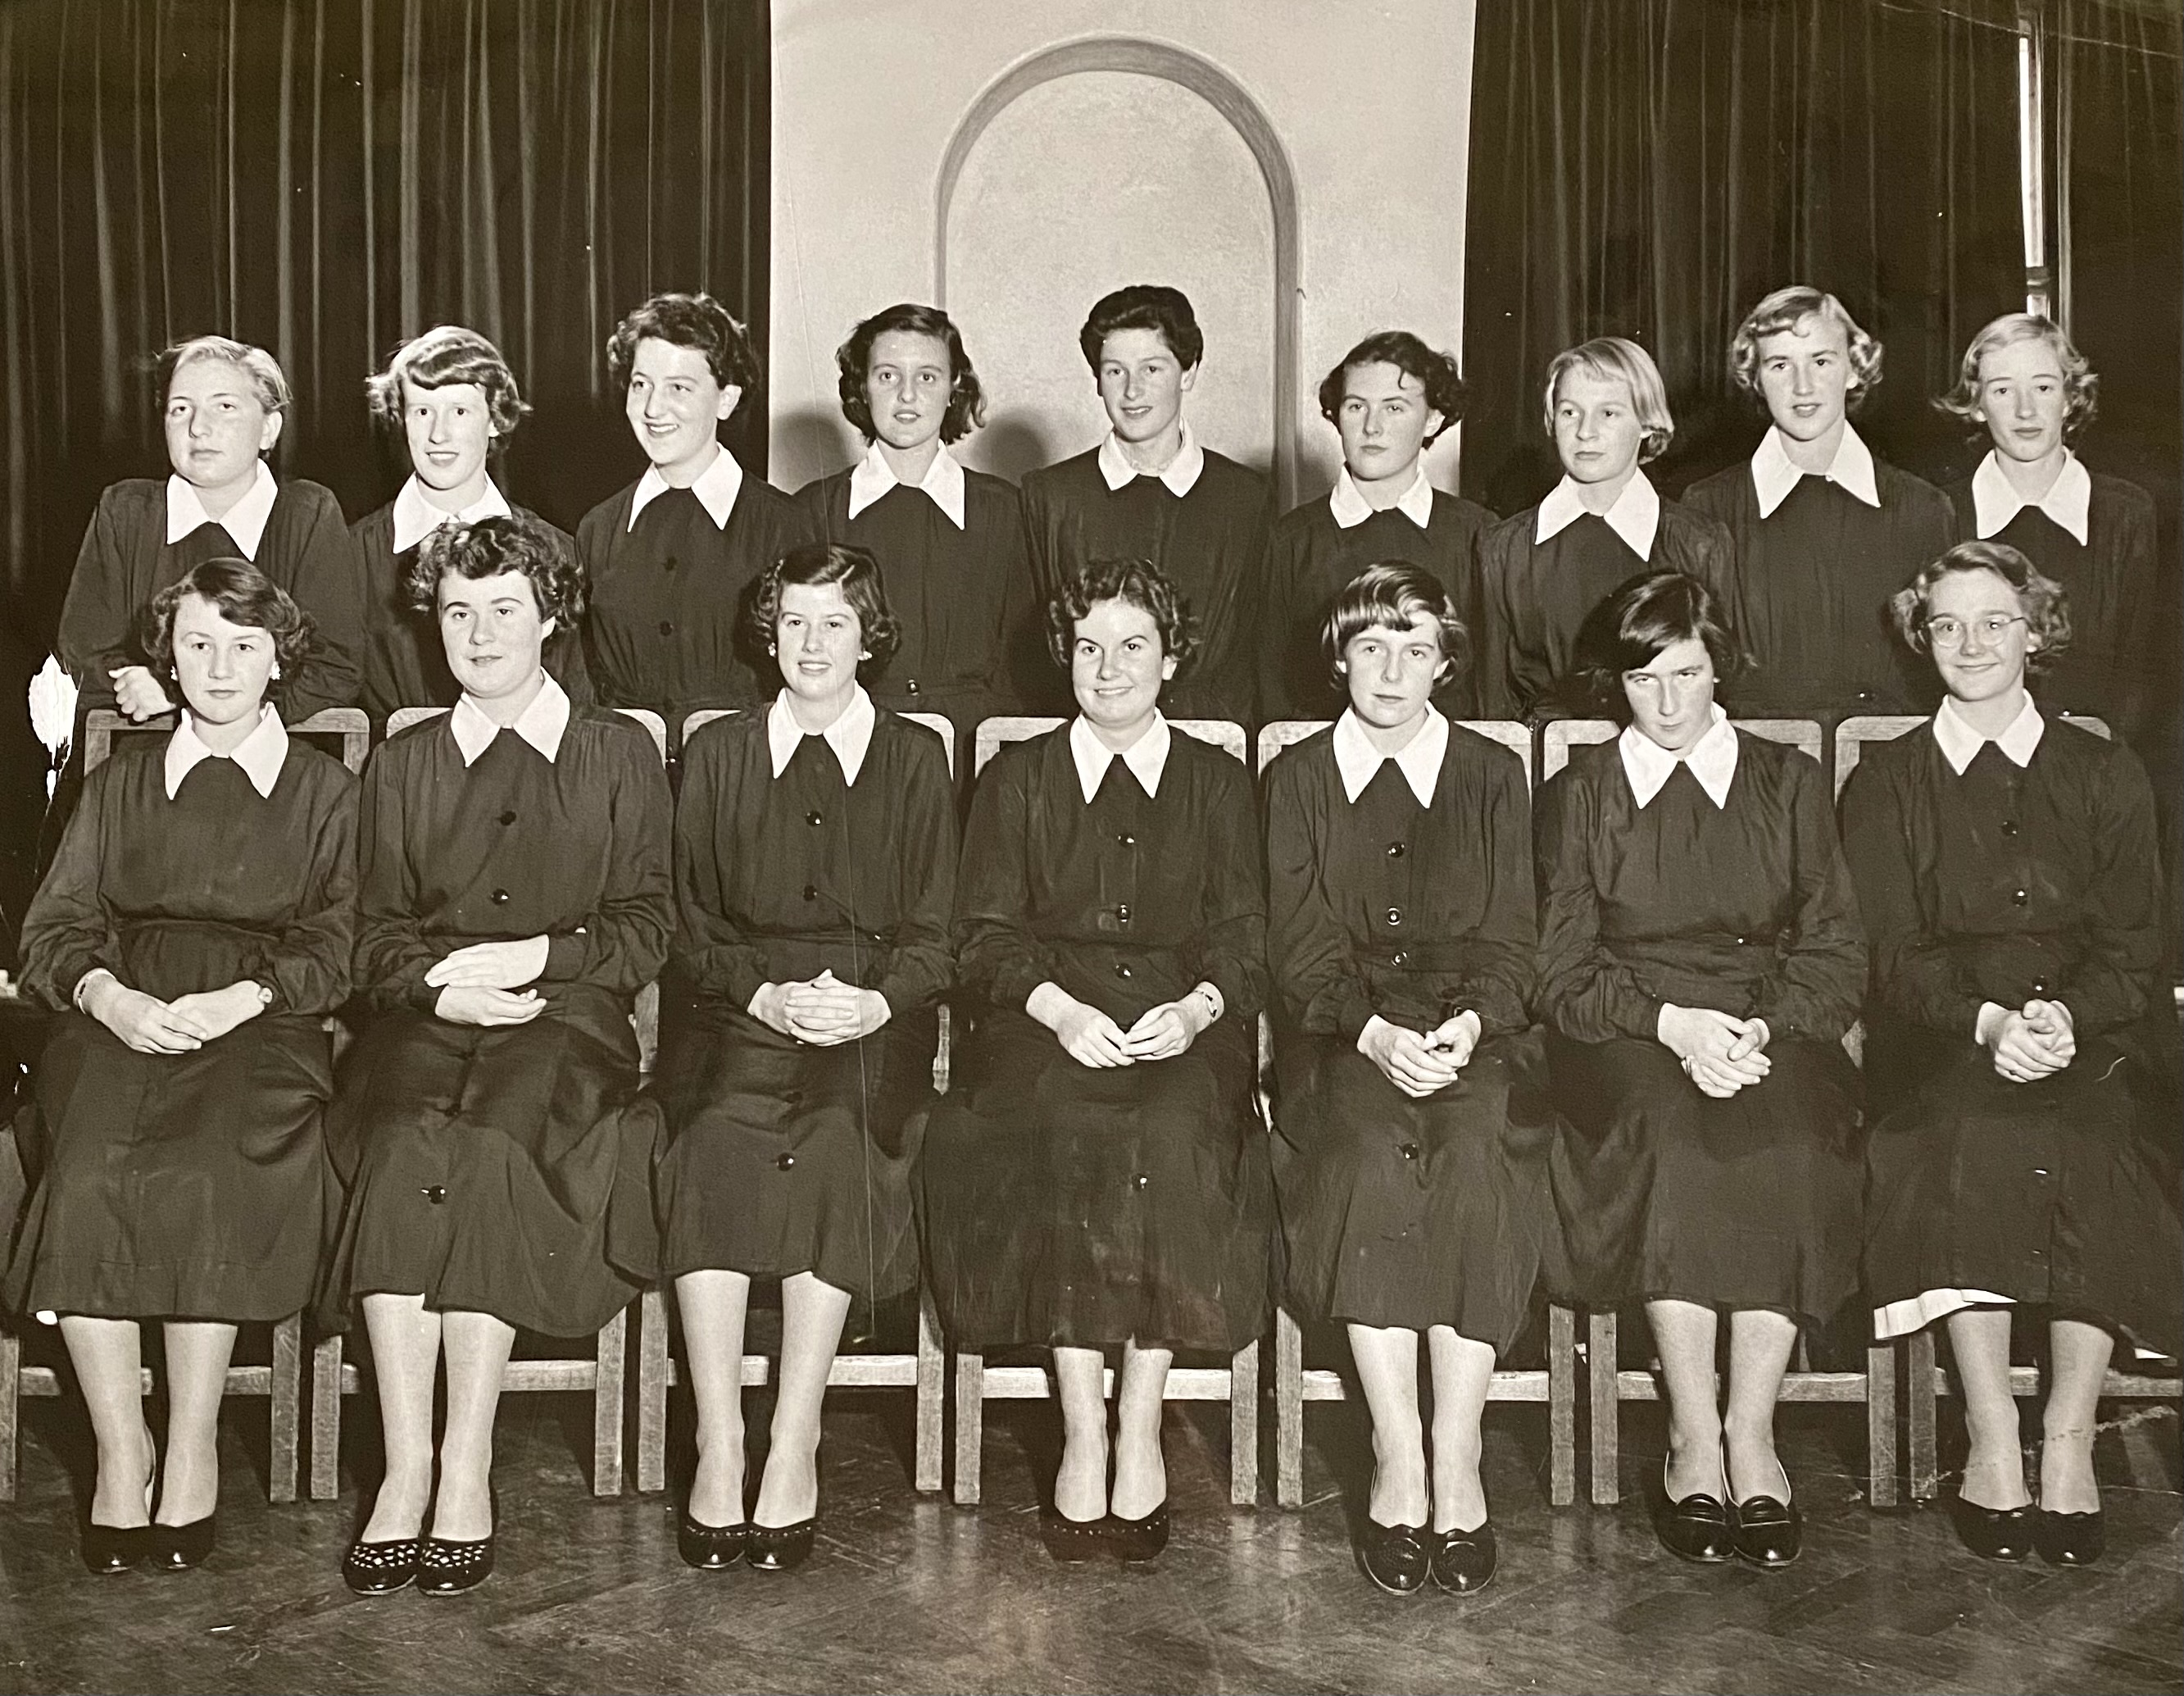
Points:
[[1803, 733], [1852, 734], [403, 716], [1510, 733], [1224, 734], [937, 723], [347, 722], [1560, 735], [1285, 733]]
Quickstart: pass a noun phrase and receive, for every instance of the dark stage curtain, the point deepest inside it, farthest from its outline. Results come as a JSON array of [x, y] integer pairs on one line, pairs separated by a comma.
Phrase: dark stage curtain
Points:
[[327, 178]]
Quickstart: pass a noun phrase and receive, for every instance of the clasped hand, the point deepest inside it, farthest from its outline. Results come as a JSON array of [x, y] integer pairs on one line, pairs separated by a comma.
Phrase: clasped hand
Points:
[[1161, 1032], [822, 1011], [2039, 1038], [1419, 1063], [1721, 1053], [152, 1026], [479, 984], [137, 692]]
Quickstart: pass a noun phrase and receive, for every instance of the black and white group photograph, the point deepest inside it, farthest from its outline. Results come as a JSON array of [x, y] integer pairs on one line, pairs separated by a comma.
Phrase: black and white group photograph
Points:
[[1079, 845]]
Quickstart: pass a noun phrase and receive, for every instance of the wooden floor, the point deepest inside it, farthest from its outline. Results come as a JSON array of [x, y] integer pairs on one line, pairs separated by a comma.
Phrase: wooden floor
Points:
[[906, 1595]]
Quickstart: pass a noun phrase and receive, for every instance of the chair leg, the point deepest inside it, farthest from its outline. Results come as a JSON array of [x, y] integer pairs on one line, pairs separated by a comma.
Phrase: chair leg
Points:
[[1561, 1405], [1601, 1379], [932, 1397], [1919, 1404], [652, 1362], [327, 1418], [1881, 1425], [1243, 1426], [970, 1422], [607, 1389], [1289, 1410], [285, 1405], [11, 1409]]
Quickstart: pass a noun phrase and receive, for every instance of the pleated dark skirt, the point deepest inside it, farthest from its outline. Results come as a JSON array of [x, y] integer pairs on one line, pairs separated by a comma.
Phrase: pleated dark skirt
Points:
[[1754, 1201], [1068, 1206], [505, 1171], [782, 1157], [177, 1186], [1398, 1212]]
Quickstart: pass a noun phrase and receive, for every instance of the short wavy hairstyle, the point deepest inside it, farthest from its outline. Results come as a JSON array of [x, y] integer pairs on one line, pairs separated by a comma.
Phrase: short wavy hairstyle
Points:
[[267, 380], [1391, 596], [2044, 602], [1136, 582], [1434, 370], [242, 594], [2081, 383], [1144, 306], [688, 320], [1641, 618], [1785, 309], [1615, 359], [817, 564], [445, 354], [491, 547], [967, 397]]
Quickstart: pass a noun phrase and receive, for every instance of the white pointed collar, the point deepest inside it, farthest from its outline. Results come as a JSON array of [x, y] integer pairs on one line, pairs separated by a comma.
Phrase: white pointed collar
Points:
[[1773, 474], [1347, 502], [1419, 759], [1146, 757], [1179, 475], [1636, 517], [2069, 500], [1960, 743], [1712, 761], [416, 517], [261, 753], [716, 489], [850, 735], [943, 480], [244, 521], [542, 724]]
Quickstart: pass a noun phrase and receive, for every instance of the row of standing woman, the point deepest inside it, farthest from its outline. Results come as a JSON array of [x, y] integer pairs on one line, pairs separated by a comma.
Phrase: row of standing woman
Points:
[[1679, 1126], [1805, 544]]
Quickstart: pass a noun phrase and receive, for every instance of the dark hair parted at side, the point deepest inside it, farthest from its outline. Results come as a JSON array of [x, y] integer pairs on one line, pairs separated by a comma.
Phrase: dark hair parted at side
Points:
[[688, 320], [1136, 582], [1144, 306], [967, 399], [1641, 618], [817, 564], [491, 546], [2043, 601], [446, 355], [1436, 372], [1389, 596], [243, 595]]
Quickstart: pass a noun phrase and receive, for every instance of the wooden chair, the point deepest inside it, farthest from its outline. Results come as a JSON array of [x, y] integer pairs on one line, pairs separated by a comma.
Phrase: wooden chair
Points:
[[1294, 1384], [603, 1374], [281, 1381], [923, 1373], [1236, 1383]]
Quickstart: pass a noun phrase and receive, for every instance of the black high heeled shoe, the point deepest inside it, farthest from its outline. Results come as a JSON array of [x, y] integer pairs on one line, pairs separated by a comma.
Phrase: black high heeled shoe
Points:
[[1992, 1533], [1695, 1527], [1071, 1541], [1136, 1540], [2069, 1539], [1396, 1558], [1463, 1562], [177, 1548], [109, 1549], [448, 1567], [781, 1549], [1767, 1529], [380, 1569], [710, 1549]]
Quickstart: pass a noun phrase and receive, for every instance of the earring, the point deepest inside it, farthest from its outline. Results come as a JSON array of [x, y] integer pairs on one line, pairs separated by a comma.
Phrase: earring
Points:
[[276, 677], [772, 651]]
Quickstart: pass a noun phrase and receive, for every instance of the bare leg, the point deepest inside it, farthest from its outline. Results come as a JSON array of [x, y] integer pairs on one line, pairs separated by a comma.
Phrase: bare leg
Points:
[[1994, 1470], [477, 1346], [197, 1354], [1140, 1470], [107, 1355], [2077, 1361], [1684, 1333], [715, 1304], [1759, 1345], [1462, 1373], [811, 1317], [1387, 1359], [1080, 1487], [405, 1360]]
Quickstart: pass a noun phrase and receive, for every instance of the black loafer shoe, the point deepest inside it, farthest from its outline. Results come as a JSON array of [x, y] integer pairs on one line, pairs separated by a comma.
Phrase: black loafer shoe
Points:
[[447, 1567], [1072, 1541], [109, 1549], [1992, 1533], [1135, 1540], [1396, 1558], [1695, 1528], [1463, 1561], [1768, 1532], [710, 1548], [781, 1549], [2069, 1539], [380, 1569], [177, 1548]]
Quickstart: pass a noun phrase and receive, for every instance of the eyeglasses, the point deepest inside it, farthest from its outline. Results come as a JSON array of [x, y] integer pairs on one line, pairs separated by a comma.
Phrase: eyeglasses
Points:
[[1945, 632]]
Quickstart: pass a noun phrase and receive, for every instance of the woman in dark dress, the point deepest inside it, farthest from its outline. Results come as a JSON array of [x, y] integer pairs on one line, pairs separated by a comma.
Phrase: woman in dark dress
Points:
[[815, 872], [1544, 569], [1822, 533], [1096, 1178], [1414, 1118], [2021, 1048], [515, 896], [1148, 491], [225, 405], [670, 558], [1389, 400], [454, 401], [950, 541], [1701, 960], [193, 933]]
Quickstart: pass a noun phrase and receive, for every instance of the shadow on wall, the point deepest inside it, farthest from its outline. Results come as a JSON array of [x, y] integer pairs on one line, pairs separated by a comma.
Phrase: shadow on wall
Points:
[[816, 437], [1012, 443]]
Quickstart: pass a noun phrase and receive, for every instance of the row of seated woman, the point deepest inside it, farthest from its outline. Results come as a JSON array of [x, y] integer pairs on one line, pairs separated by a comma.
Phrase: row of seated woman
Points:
[[1596, 1053]]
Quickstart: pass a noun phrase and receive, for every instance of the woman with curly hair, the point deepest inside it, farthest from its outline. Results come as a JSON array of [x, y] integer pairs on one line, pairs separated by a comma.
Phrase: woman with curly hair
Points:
[[2020, 1052], [1094, 1180], [192, 935], [815, 872], [950, 541], [513, 899]]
